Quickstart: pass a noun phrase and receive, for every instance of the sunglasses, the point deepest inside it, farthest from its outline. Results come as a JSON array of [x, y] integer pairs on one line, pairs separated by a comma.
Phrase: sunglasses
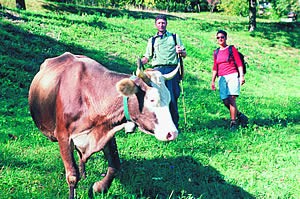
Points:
[[222, 37]]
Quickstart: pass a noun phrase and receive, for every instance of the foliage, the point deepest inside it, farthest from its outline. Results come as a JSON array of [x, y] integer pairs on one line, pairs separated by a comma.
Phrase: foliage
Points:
[[234, 7], [169, 5], [207, 160], [282, 7], [278, 8]]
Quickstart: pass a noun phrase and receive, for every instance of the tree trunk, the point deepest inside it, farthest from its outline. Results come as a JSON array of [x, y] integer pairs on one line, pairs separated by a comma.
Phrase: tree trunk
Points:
[[20, 4], [252, 15]]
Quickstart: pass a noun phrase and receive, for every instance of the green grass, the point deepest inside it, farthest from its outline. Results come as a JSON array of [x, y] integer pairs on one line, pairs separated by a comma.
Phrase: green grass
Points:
[[207, 160]]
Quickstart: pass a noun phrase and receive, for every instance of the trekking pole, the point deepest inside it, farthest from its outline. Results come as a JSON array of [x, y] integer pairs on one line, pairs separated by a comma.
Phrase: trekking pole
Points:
[[183, 103], [182, 91]]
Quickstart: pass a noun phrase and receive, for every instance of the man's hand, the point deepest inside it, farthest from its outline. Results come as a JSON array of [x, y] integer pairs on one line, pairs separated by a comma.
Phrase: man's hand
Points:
[[242, 79], [181, 52], [144, 60], [213, 87], [178, 49]]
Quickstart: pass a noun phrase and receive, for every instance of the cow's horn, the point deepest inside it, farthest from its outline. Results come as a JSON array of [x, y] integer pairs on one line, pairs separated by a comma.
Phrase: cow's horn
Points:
[[140, 72], [171, 74]]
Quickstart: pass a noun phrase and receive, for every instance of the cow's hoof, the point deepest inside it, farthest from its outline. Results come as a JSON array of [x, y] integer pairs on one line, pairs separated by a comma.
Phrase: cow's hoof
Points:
[[100, 187]]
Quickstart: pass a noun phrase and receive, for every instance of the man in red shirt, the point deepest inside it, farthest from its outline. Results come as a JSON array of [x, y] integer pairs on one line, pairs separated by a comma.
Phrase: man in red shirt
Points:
[[229, 69]]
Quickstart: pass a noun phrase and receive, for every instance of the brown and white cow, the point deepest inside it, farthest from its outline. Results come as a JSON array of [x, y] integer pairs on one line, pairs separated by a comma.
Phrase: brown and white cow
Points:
[[77, 102]]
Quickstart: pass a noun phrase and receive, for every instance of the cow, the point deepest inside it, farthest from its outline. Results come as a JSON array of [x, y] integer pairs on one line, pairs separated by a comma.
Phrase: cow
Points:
[[80, 104]]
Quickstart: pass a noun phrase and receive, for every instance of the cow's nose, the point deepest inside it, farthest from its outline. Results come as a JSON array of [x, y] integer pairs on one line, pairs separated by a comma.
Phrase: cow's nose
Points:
[[171, 136]]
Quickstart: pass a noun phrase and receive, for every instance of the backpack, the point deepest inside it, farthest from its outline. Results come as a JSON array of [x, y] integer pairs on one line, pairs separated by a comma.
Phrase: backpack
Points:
[[242, 57], [153, 41]]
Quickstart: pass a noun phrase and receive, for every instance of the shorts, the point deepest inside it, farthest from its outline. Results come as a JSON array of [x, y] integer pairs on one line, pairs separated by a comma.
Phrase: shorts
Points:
[[229, 85]]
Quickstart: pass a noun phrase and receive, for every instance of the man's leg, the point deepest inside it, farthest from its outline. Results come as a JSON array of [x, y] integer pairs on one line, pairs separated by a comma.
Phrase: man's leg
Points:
[[174, 90], [230, 103]]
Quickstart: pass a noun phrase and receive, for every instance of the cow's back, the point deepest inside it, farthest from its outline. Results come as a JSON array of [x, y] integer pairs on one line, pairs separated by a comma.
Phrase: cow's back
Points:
[[44, 90]]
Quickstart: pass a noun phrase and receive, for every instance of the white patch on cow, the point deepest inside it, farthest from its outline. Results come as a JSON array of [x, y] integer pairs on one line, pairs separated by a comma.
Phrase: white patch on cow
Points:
[[86, 142], [81, 140], [152, 99], [158, 82], [164, 122]]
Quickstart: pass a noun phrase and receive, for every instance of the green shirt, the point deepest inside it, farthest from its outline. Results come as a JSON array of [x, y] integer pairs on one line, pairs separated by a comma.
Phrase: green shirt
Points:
[[164, 50]]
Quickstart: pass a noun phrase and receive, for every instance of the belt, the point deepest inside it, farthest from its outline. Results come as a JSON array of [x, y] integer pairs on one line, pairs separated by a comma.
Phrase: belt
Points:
[[166, 65]]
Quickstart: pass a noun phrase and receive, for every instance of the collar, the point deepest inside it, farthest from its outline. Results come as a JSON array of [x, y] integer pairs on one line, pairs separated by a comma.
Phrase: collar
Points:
[[163, 35], [126, 111]]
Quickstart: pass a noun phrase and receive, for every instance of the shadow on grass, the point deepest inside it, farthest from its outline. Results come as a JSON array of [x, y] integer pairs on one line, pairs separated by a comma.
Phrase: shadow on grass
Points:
[[276, 121], [22, 53], [20, 44], [206, 111], [279, 32], [158, 178], [179, 177]]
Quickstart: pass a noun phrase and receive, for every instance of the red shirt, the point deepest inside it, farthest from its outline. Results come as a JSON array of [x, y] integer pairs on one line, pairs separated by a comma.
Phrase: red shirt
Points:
[[225, 66]]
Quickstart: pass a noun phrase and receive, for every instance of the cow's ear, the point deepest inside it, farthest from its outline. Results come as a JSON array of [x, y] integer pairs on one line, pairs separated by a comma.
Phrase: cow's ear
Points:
[[126, 87]]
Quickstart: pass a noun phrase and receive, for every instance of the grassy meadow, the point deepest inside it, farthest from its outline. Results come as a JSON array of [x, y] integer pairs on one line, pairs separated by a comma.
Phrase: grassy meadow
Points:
[[207, 160]]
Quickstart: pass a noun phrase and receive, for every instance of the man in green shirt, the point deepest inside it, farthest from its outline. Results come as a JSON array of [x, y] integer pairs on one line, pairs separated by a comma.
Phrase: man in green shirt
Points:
[[164, 49]]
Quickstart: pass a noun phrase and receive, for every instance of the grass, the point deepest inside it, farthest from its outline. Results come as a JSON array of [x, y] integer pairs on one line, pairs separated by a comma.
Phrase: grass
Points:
[[207, 160]]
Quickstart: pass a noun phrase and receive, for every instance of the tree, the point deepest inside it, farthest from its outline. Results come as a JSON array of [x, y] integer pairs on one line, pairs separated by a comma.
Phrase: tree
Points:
[[212, 4], [252, 15], [20, 4], [283, 7]]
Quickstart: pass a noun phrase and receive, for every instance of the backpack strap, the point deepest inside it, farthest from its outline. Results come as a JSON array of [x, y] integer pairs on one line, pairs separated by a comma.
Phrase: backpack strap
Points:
[[153, 41], [215, 55], [216, 52], [174, 38], [230, 53]]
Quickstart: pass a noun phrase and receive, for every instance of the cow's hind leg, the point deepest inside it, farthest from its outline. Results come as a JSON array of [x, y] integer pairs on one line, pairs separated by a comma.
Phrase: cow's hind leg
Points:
[[111, 153]]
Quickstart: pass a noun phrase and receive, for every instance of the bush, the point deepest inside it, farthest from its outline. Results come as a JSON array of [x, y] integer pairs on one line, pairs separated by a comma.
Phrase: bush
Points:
[[234, 7]]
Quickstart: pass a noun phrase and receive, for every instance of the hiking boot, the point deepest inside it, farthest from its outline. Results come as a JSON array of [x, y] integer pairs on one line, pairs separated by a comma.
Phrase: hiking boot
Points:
[[243, 120], [233, 125]]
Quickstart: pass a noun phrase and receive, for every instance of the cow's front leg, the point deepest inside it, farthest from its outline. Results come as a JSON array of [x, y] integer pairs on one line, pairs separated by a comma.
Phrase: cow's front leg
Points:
[[66, 151], [82, 169], [82, 172], [111, 153]]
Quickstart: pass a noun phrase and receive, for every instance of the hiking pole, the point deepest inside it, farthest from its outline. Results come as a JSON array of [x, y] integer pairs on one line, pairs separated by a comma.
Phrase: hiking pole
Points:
[[182, 91]]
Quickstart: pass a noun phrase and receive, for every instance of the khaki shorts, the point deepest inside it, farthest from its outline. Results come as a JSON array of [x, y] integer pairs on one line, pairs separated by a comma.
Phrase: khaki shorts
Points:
[[229, 85]]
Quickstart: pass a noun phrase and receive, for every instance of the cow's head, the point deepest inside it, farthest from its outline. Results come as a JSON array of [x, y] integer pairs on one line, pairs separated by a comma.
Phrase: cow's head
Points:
[[151, 110]]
